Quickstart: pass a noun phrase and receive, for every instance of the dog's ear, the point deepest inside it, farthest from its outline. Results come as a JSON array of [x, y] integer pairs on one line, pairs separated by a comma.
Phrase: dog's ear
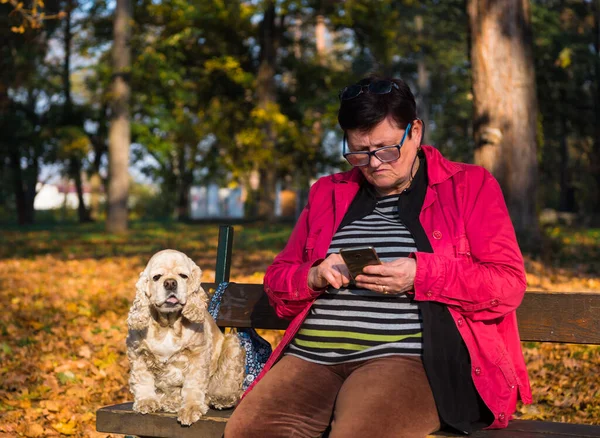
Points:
[[194, 282], [139, 314], [197, 300], [143, 284], [196, 305]]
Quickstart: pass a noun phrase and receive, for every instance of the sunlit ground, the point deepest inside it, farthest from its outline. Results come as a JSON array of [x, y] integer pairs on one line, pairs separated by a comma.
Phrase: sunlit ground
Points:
[[66, 292]]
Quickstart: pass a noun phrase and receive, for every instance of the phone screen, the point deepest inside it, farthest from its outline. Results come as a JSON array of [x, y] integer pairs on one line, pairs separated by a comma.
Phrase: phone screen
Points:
[[357, 258]]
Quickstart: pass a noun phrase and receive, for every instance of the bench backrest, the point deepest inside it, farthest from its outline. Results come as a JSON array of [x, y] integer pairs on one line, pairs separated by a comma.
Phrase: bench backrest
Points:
[[569, 317]]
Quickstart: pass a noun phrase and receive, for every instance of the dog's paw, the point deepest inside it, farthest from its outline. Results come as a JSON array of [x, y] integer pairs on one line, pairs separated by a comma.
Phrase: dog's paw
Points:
[[146, 406], [191, 413]]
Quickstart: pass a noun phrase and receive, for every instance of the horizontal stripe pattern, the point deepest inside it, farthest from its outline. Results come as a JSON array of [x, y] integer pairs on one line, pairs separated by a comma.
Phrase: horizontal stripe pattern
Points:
[[351, 324]]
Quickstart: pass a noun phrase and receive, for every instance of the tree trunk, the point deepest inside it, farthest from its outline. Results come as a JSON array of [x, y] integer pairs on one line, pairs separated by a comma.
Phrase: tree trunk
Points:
[[320, 30], [266, 97], [186, 178], [96, 183], [82, 211], [17, 176], [505, 105], [422, 80], [75, 162], [595, 156], [95, 193], [250, 183], [183, 202], [31, 179], [66, 75], [24, 208], [297, 38], [567, 192], [119, 136]]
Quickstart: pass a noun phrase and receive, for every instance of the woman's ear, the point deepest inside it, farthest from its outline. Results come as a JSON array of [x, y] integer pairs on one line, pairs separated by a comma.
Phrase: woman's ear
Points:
[[139, 314], [418, 128]]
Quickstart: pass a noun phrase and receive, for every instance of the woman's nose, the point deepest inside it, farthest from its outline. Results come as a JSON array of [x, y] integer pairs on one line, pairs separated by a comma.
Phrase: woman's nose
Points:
[[374, 161]]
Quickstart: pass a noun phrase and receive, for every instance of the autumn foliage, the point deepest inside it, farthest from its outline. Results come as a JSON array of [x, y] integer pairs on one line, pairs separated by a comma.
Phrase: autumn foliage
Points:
[[66, 293]]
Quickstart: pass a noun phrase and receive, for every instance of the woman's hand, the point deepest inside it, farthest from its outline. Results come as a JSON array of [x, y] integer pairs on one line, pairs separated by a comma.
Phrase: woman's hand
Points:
[[332, 271], [395, 277]]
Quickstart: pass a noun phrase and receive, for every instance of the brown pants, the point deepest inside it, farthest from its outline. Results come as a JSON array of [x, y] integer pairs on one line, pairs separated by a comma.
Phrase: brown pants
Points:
[[386, 397]]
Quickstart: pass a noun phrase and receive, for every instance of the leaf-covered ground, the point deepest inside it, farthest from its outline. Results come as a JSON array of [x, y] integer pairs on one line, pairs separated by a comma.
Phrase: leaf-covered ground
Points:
[[66, 292]]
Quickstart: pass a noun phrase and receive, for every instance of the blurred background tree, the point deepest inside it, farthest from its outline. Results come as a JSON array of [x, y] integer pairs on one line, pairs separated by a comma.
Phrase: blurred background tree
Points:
[[244, 94]]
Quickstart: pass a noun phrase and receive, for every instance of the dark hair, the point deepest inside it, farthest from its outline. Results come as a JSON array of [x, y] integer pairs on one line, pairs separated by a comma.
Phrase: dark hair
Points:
[[367, 110]]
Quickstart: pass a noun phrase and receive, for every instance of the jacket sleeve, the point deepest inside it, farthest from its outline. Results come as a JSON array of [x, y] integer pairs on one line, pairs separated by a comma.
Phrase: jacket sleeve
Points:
[[286, 279], [487, 280]]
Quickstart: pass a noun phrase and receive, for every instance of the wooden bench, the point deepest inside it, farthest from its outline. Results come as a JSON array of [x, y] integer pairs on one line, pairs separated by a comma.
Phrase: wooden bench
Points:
[[543, 317]]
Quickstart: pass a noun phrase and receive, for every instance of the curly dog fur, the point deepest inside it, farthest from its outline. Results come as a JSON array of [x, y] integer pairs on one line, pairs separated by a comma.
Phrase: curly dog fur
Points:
[[180, 360]]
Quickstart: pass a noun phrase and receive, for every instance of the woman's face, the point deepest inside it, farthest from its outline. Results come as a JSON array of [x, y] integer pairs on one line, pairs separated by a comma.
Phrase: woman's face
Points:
[[393, 177]]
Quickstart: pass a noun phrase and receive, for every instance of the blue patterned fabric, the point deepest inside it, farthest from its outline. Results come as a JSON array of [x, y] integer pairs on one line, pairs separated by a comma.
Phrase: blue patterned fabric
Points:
[[257, 349]]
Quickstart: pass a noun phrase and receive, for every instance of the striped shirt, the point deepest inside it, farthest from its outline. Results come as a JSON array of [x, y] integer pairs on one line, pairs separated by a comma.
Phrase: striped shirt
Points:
[[350, 324]]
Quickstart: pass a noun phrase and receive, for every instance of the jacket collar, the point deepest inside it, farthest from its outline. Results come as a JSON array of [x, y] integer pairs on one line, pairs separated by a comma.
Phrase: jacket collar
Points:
[[439, 169], [346, 187]]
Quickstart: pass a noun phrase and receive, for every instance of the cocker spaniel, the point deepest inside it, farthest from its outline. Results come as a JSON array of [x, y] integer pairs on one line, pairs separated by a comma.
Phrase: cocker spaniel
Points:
[[180, 360]]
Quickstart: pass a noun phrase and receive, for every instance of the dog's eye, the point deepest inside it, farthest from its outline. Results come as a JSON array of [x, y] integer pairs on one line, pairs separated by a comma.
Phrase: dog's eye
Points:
[[156, 277], [183, 276]]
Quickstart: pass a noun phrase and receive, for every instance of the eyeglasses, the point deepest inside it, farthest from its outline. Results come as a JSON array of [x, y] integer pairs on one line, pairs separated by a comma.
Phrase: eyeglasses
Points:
[[384, 154], [376, 87]]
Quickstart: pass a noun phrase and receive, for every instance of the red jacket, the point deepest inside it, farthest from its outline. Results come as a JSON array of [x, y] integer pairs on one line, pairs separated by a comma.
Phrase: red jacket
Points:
[[476, 269]]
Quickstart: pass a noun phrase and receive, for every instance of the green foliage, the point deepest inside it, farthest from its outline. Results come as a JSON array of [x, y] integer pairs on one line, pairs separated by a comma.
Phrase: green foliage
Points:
[[72, 142], [567, 80], [195, 106]]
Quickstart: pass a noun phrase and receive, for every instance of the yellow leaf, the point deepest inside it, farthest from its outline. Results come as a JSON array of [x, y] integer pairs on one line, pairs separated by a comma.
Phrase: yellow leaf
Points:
[[88, 416], [36, 325], [65, 428], [72, 308], [51, 405], [564, 57]]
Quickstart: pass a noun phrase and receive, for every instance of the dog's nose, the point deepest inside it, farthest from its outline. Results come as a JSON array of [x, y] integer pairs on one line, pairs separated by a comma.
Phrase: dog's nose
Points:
[[170, 284]]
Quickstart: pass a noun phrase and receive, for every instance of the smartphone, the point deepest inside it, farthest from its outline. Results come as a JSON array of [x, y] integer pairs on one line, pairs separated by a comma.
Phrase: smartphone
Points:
[[357, 258]]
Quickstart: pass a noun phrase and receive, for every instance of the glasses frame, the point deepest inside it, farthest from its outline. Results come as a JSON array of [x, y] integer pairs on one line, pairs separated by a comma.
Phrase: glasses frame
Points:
[[373, 153], [370, 88]]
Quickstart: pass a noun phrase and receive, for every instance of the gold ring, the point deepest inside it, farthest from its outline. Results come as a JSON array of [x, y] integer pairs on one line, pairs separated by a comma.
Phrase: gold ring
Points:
[[384, 289]]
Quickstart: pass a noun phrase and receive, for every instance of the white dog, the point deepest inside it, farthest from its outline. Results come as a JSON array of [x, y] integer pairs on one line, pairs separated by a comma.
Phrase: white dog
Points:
[[180, 360]]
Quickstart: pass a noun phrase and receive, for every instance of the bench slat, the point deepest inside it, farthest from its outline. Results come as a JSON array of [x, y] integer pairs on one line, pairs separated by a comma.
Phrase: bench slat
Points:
[[572, 317], [569, 317], [122, 419]]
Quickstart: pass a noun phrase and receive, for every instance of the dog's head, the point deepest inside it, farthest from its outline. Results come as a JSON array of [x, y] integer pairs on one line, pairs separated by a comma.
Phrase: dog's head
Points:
[[170, 283]]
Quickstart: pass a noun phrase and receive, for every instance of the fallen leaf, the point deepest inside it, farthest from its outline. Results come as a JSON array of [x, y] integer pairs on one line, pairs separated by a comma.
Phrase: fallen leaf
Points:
[[65, 428], [85, 352], [34, 431]]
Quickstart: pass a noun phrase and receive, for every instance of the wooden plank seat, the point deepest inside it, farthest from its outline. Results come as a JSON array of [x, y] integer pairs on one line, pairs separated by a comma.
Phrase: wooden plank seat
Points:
[[543, 317]]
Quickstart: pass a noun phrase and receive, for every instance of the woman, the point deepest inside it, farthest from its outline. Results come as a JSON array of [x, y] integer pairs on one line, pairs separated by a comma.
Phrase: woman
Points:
[[426, 340]]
